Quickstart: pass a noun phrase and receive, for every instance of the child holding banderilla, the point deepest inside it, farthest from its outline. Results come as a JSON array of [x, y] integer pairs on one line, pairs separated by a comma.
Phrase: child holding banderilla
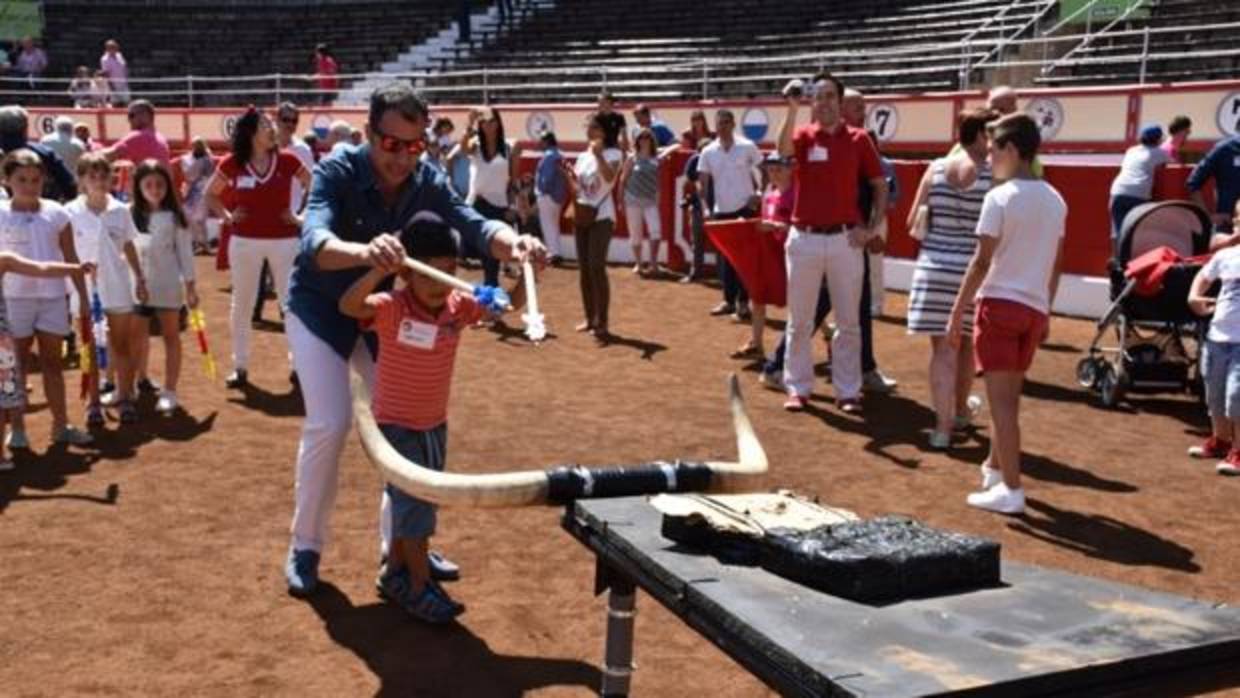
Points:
[[419, 328]]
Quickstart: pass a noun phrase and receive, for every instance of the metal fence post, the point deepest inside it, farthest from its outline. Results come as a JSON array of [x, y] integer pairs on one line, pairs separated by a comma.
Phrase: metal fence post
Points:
[[190, 89], [486, 92], [1145, 51], [705, 79], [278, 85]]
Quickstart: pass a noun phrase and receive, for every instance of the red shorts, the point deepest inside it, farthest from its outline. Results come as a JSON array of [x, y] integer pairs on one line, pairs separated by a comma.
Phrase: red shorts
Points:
[[1006, 335]]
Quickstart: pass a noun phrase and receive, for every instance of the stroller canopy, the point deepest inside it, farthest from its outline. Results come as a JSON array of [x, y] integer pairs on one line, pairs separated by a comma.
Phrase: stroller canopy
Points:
[[1181, 225]]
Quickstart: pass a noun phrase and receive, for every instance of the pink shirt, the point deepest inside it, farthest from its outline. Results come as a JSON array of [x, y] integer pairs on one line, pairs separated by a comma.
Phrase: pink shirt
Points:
[[1170, 148], [144, 144]]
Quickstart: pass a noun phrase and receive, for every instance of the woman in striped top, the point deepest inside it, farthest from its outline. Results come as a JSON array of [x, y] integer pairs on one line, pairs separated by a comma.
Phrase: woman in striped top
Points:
[[953, 189], [641, 200]]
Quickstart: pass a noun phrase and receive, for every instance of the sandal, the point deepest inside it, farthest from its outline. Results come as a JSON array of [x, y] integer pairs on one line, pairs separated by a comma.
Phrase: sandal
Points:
[[746, 351]]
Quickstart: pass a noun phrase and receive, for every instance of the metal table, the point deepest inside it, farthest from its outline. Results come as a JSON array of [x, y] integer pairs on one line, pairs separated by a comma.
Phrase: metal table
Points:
[[1043, 633]]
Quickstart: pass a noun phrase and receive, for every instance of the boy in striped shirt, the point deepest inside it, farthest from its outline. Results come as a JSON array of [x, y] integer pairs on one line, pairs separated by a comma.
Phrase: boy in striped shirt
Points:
[[419, 328]]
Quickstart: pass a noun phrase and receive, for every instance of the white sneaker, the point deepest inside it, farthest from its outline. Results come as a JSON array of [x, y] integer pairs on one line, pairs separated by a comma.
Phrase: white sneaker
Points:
[[167, 401], [1000, 499], [990, 477], [1229, 469], [109, 399]]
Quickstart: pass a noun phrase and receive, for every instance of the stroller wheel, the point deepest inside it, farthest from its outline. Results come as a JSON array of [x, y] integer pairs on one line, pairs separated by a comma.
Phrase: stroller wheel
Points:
[[1109, 385], [1087, 372]]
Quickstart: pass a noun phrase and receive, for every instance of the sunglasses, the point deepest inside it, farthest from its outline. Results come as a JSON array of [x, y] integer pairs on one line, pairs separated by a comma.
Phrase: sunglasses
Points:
[[392, 144]]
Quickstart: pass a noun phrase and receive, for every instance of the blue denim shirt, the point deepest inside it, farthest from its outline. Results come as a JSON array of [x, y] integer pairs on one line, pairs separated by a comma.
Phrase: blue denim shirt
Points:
[[549, 178], [345, 204], [1223, 164]]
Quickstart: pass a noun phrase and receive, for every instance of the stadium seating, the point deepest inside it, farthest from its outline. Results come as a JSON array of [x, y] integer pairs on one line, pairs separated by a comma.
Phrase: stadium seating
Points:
[[162, 39], [653, 49], [1196, 49]]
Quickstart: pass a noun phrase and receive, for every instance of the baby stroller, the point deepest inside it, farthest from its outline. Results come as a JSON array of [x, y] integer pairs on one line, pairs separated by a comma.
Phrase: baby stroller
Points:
[[1157, 338]]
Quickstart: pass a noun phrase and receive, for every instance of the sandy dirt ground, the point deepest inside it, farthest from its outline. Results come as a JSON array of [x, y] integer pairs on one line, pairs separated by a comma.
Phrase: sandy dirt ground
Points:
[[150, 564]]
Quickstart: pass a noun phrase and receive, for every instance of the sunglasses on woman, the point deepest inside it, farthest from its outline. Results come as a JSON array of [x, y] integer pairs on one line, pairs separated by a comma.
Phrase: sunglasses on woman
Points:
[[392, 144]]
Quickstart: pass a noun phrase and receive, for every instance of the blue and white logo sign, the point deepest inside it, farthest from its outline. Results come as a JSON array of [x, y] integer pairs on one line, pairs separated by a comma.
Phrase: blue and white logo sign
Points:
[[537, 122], [755, 123], [884, 120], [321, 124], [228, 124], [1047, 112]]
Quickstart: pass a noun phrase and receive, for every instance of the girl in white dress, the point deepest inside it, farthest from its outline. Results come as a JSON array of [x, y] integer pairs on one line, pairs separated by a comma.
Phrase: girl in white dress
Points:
[[165, 251]]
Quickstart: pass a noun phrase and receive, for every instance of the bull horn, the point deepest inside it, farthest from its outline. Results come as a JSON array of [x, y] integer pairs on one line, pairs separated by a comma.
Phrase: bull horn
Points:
[[560, 484]]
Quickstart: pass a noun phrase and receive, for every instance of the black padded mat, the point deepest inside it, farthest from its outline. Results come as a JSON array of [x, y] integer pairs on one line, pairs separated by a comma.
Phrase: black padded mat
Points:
[[1043, 633]]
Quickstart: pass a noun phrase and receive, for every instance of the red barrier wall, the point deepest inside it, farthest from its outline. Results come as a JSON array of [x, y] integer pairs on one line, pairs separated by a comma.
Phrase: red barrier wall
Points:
[[1085, 188]]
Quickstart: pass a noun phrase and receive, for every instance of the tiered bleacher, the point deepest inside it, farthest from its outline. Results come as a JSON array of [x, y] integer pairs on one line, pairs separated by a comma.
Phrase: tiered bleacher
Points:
[[1188, 40], [654, 49], [192, 37]]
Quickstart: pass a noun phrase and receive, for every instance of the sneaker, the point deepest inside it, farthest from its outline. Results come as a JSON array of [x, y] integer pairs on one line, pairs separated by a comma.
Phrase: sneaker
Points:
[[1000, 499], [1229, 465], [128, 413], [990, 476], [743, 314], [109, 398], [794, 403], [430, 604], [773, 380], [72, 436], [1213, 448], [875, 382], [146, 385], [723, 309], [443, 569], [301, 571], [850, 405], [237, 379], [167, 402], [18, 440], [94, 417], [107, 387], [940, 440]]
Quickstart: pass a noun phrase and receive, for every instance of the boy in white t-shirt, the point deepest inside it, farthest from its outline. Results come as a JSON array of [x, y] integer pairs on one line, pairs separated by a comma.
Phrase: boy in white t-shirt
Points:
[[1013, 274], [1220, 358]]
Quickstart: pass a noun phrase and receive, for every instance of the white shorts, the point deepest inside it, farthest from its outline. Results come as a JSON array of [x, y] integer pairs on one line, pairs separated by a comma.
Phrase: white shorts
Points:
[[30, 315]]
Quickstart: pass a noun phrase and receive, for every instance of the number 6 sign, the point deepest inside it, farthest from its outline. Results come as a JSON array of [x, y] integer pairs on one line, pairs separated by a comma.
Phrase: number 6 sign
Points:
[[1228, 117], [884, 120]]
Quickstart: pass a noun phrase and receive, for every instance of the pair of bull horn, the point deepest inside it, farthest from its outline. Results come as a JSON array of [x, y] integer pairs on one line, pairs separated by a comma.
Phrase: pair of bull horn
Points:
[[561, 484]]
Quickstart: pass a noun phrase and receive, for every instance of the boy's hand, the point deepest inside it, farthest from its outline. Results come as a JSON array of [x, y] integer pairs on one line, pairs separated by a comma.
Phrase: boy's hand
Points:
[[385, 253], [141, 292], [191, 298], [84, 269], [528, 248]]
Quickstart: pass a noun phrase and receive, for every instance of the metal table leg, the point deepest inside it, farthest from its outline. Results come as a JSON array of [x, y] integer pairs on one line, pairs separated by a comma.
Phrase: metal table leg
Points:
[[618, 652]]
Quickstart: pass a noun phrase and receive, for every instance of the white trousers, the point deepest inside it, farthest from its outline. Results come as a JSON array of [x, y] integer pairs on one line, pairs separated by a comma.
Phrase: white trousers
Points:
[[877, 287], [641, 217], [810, 258], [549, 221], [328, 399], [245, 257]]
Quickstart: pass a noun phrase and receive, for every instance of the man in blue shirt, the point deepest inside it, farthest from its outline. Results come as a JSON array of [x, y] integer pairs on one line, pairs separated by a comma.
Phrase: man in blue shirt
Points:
[[663, 135], [360, 196], [551, 191], [1222, 164]]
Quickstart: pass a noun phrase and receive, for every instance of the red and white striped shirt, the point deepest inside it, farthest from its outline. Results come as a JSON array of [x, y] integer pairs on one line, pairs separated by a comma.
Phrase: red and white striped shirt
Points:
[[417, 350]]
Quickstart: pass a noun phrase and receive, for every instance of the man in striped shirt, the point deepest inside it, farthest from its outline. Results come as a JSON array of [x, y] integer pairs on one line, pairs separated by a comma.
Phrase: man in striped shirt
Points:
[[419, 329]]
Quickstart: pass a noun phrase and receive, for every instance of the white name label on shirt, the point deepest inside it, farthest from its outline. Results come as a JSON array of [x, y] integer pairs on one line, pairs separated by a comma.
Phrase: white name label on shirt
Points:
[[818, 154], [417, 334], [246, 182]]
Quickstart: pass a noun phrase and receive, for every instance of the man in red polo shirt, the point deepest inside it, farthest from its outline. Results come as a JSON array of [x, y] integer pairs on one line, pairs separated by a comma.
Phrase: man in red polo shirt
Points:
[[827, 238]]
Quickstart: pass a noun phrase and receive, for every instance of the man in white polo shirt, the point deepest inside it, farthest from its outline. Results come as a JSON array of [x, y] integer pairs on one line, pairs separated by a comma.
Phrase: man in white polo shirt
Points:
[[730, 165]]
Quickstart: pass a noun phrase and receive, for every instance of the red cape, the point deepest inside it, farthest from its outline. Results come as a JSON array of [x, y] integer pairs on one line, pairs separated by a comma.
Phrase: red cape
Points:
[[757, 256]]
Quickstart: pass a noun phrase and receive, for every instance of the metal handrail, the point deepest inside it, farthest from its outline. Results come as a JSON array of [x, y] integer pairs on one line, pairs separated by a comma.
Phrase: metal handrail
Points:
[[1090, 36], [1003, 42], [998, 15]]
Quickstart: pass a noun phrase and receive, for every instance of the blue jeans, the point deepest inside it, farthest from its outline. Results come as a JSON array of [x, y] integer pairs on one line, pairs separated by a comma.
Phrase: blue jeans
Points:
[[1220, 365], [775, 364], [413, 517], [1120, 206]]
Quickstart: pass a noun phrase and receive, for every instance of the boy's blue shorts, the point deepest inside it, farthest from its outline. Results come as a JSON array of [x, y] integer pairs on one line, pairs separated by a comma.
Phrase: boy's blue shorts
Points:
[[412, 517], [1220, 366]]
